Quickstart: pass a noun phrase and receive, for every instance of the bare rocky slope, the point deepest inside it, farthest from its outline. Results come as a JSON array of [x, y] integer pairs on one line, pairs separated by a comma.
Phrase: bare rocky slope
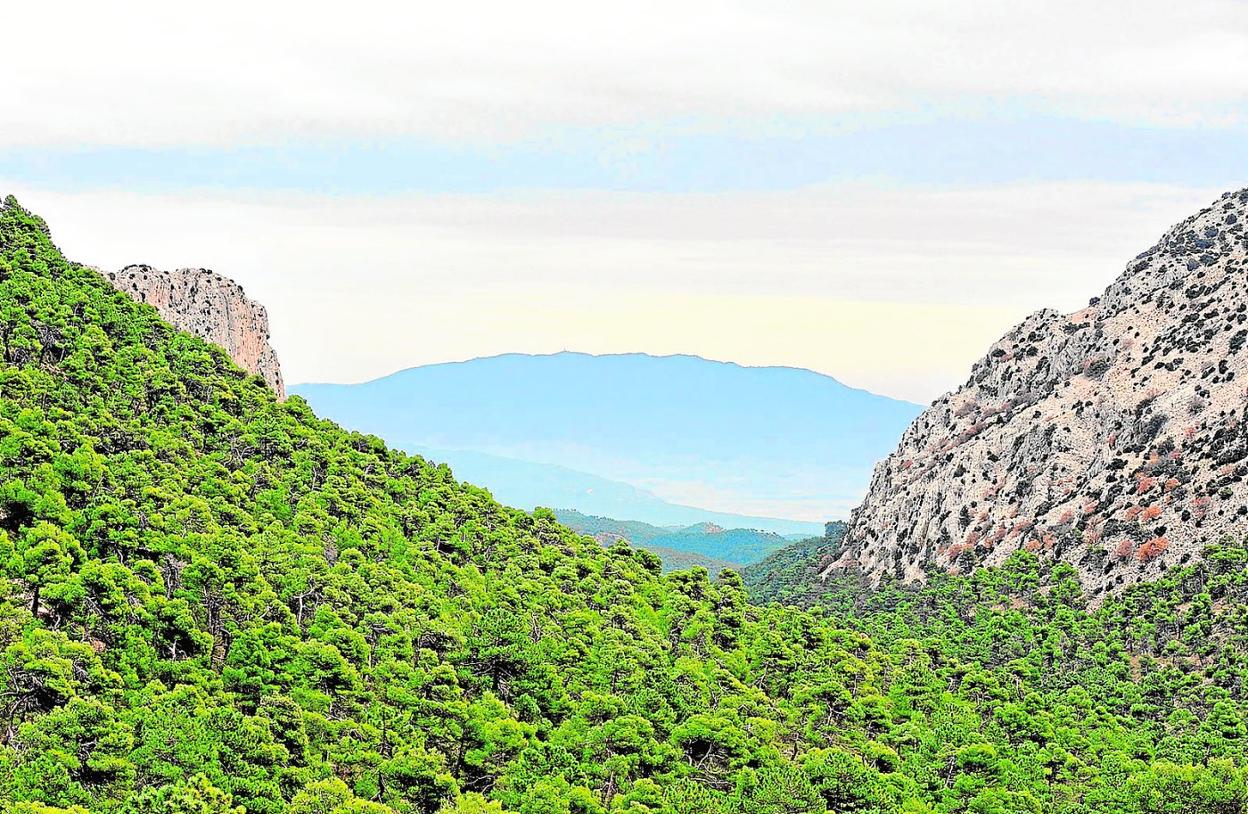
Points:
[[1113, 438], [213, 308]]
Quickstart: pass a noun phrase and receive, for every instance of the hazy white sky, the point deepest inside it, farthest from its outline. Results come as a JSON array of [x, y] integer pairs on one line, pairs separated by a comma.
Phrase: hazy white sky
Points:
[[872, 190], [897, 291]]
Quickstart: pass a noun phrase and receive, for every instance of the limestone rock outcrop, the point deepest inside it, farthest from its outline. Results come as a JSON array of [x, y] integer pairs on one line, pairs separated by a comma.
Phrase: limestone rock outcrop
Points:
[[212, 307], [1114, 438]]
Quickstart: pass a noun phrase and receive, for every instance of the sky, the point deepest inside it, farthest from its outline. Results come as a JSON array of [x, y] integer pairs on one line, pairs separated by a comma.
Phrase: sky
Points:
[[875, 191]]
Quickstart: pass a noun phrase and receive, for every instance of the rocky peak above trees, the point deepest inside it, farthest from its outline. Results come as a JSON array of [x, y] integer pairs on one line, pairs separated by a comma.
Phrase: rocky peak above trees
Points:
[[1113, 438], [212, 307]]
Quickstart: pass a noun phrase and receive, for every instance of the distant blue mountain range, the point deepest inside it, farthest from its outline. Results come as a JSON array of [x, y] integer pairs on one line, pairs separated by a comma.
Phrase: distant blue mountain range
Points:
[[636, 436], [526, 485]]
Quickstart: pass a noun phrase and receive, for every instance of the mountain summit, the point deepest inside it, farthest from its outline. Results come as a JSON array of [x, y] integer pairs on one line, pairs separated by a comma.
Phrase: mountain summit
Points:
[[1113, 438], [762, 441]]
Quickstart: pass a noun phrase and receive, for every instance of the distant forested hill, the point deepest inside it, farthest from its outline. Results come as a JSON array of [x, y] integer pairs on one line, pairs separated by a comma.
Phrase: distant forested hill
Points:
[[765, 441], [608, 529], [791, 574], [704, 544]]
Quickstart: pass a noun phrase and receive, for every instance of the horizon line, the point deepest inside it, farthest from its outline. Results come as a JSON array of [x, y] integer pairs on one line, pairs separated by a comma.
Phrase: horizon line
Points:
[[569, 352]]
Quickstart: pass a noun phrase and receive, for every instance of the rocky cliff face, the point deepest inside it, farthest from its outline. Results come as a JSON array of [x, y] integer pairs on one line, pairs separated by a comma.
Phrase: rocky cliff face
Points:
[[213, 308], [1114, 438]]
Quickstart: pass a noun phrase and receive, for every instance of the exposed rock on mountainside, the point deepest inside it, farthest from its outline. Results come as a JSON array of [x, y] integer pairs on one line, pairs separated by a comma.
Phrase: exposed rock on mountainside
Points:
[[1113, 438], [213, 308]]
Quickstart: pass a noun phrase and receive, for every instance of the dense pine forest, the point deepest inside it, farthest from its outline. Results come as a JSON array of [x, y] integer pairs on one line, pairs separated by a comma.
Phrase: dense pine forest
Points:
[[213, 601]]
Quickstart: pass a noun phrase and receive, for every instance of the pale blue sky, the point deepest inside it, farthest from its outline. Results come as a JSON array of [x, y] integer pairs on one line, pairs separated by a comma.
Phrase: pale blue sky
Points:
[[938, 150]]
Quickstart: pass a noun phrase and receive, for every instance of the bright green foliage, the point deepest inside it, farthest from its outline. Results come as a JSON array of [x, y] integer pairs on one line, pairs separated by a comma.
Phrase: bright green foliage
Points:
[[213, 602], [791, 575]]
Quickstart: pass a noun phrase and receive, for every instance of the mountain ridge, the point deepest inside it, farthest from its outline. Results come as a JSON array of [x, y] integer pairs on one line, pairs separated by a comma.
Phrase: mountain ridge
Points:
[[735, 547], [778, 442], [1112, 438], [618, 354]]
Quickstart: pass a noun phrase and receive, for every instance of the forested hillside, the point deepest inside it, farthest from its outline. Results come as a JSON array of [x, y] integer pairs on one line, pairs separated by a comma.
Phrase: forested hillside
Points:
[[792, 574], [1112, 438], [215, 602]]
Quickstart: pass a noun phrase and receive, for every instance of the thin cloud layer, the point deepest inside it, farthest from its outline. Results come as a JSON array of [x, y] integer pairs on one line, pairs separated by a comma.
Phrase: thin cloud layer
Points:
[[233, 73]]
